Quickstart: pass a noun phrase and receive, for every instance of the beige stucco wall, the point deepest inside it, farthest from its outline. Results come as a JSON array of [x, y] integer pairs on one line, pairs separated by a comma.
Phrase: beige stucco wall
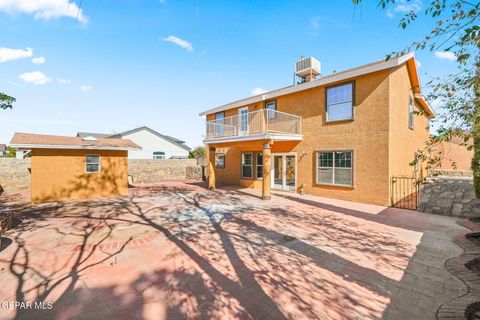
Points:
[[403, 141], [60, 174], [367, 135], [454, 155], [379, 136]]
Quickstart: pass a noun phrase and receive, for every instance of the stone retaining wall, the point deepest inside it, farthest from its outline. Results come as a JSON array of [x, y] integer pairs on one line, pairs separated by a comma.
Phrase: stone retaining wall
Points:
[[147, 171], [15, 174], [451, 173], [450, 196]]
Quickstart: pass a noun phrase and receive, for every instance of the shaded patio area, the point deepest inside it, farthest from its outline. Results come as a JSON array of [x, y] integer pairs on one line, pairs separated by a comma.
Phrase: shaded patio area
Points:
[[176, 250]]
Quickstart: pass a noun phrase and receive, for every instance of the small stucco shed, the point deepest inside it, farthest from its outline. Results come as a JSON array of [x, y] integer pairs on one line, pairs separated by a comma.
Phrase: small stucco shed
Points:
[[75, 168]]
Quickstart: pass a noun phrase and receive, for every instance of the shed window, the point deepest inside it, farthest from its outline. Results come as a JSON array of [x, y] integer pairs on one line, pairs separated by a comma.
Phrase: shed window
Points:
[[159, 155], [219, 160], [340, 102], [247, 165], [92, 163], [335, 168]]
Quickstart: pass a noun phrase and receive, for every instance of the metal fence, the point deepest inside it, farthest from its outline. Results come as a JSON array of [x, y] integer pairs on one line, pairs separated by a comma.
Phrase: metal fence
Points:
[[405, 193]]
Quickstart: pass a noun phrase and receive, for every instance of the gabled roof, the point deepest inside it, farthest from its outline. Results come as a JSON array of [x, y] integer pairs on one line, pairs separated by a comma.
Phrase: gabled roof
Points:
[[42, 141], [179, 143], [408, 59]]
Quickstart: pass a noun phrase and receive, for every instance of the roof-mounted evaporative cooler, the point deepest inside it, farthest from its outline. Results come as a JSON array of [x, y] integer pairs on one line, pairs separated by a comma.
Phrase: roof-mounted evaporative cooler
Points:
[[307, 68]]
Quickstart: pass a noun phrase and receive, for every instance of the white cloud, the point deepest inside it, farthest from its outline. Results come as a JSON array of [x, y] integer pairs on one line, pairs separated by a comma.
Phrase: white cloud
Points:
[[63, 81], [7, 54], [38, 60], [44, 9], [405, 6], [445, 55], [85, 88], [419, 64], [179, 42], [315, 23], [257, 91], [36, 77]]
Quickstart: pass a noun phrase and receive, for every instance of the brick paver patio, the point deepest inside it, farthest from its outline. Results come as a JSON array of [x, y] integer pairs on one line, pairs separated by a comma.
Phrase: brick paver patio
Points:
[[176, 250]]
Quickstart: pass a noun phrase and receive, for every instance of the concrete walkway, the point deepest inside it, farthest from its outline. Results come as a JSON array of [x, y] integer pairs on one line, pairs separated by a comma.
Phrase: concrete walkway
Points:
[[179, 251]]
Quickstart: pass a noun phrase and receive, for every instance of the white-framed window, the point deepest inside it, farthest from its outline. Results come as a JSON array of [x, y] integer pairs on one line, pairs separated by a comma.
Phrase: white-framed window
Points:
[[335, 168], [219, 160], [411, 113], [247, 165], [259, 165], [92, 163], [271, 105], [339, 102], [219, 123], [159, 155]]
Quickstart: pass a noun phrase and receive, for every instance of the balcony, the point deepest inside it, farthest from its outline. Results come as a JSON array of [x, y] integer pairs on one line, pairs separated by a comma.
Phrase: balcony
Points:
[[257, 125]]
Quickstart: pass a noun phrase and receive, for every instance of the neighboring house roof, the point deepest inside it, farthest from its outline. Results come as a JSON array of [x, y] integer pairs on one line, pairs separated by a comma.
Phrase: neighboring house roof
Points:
[[175, 141], [408, 58], [93, 134], [3, 147], [31, 141], [179, 143]]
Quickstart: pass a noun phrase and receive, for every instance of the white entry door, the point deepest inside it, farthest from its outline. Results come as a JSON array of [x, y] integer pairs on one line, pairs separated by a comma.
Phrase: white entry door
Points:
[[243, 121], [284, 171]]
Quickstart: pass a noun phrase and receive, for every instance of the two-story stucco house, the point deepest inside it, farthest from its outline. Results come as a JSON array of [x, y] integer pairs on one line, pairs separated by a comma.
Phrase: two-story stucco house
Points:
[[344, 135], [154, 144]]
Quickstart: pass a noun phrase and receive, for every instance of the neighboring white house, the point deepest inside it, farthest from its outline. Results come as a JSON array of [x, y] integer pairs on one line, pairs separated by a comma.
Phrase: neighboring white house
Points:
[[154, 145]]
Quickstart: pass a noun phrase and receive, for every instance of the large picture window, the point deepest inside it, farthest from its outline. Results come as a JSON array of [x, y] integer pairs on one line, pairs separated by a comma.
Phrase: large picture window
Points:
[[92, 163], [335, 168], [259, 165], [219, 160], [247, 165], [340, 102]]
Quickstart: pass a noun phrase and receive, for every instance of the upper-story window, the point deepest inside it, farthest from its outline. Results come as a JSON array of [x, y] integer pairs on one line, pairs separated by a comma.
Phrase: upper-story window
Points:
[[159, 155], [219, 123], [340, 102], [410, 113], [271, 105]]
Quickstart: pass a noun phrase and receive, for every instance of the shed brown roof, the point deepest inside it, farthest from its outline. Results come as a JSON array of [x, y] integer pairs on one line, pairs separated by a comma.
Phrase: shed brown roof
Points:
[[30, 140]]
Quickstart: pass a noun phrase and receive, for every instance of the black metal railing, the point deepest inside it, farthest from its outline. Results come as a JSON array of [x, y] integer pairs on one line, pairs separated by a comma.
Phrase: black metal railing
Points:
[[405, 193]]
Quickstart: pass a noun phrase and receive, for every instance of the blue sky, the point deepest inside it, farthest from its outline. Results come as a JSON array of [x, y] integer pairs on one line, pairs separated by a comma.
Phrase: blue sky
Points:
[[115, 65]]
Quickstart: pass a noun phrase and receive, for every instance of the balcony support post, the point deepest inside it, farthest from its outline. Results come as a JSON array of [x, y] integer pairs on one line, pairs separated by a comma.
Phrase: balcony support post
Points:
[[266, 182], [211, 168]]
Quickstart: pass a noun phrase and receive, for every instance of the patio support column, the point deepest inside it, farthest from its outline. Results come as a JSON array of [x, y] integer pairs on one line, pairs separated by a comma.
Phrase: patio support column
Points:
[[266, 182], [211, 168]]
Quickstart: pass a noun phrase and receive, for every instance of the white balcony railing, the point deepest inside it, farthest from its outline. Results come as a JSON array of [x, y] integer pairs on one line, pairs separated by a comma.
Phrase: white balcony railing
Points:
[[264, 121]]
